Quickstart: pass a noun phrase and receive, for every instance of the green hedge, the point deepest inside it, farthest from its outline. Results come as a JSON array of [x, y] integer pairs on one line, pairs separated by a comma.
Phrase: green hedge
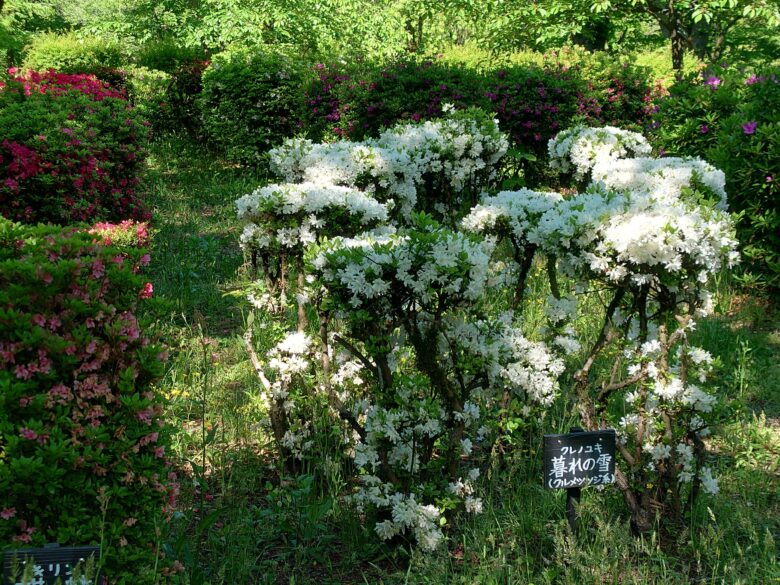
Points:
[[250, 102]]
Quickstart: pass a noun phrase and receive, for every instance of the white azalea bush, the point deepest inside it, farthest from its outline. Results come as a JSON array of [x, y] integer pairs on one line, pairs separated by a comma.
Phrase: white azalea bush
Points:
[[650, 236], [417, 361], [416, 294], [281, 220], [653, 238], [436, 166]]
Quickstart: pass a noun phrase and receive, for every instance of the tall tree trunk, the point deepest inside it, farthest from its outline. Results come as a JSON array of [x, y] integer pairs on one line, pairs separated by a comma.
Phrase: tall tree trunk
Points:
[[678, 51]]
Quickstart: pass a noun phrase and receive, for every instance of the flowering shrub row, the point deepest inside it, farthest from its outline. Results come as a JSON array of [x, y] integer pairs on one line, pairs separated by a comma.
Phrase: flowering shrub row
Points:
[[250, 100], [83, 441], [417, 364], [72, 150], [731, 118]]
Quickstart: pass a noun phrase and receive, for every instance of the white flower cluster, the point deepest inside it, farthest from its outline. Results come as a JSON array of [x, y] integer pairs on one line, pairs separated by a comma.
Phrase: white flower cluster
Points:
[[621, 237], [453, 153], [513, 213], [293, 215], [423, 264], [406, 513], [662, 178], [534, 370], [400, 432], [287, 361], [581, 148], [289, 357], [464, 489], [616, 236]]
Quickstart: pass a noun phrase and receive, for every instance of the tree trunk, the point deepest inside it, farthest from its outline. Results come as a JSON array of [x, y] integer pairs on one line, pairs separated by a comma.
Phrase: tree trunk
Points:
[[678, 51]]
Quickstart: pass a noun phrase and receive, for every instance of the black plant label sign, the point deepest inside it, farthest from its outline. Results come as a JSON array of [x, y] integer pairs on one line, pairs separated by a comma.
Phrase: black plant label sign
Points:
[[573, 460], [49, 566]]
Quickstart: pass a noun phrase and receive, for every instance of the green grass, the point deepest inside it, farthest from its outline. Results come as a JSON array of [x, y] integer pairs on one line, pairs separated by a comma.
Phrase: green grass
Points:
[[242, 521]]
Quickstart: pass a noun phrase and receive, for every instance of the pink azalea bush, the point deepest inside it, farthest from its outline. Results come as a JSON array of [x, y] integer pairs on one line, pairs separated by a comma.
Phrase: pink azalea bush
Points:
[[72, 149], [81, 434]]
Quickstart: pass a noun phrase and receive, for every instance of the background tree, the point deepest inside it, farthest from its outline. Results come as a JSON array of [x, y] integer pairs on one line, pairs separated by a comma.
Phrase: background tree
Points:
[[700, 26]]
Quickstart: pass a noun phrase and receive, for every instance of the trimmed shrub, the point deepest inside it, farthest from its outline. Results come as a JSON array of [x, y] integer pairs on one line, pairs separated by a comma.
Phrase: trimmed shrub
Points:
[[535, 103], [83, 442], [618, 93], [67, 53], [146, 90], [72, 150], [178, 111], [248, 102]]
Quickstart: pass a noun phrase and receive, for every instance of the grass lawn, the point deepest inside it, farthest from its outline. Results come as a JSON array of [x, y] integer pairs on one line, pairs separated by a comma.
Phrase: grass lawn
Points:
[[243, 521]]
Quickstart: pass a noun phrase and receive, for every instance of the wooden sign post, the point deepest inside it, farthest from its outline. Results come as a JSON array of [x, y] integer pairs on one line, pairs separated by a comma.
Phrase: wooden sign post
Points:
[[50, 565], [578, 459]]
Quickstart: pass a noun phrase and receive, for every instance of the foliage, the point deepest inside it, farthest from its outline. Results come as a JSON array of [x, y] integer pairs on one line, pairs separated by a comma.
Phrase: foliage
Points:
[[362, 101], [20, 19], [178, 110], [503, 25], [83, 443], [68, 53], [166, 55], [701, 27], [248, 102], [730, 116], [146, 90]]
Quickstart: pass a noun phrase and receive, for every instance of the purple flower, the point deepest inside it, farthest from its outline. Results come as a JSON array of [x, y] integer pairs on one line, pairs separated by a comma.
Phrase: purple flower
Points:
[[713, 81], [769, 178], [749, 127], [753, 79], [704, 128]]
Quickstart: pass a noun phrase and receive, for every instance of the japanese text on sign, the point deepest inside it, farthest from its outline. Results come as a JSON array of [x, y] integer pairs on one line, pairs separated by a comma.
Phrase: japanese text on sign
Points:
[[574, 460]]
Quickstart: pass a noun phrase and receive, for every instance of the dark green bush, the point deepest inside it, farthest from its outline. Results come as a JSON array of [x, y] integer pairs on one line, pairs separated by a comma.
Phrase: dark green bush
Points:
[[82, 439], [618, 93], [249, 100], [178, 111], [690, 117], [362, 101]]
